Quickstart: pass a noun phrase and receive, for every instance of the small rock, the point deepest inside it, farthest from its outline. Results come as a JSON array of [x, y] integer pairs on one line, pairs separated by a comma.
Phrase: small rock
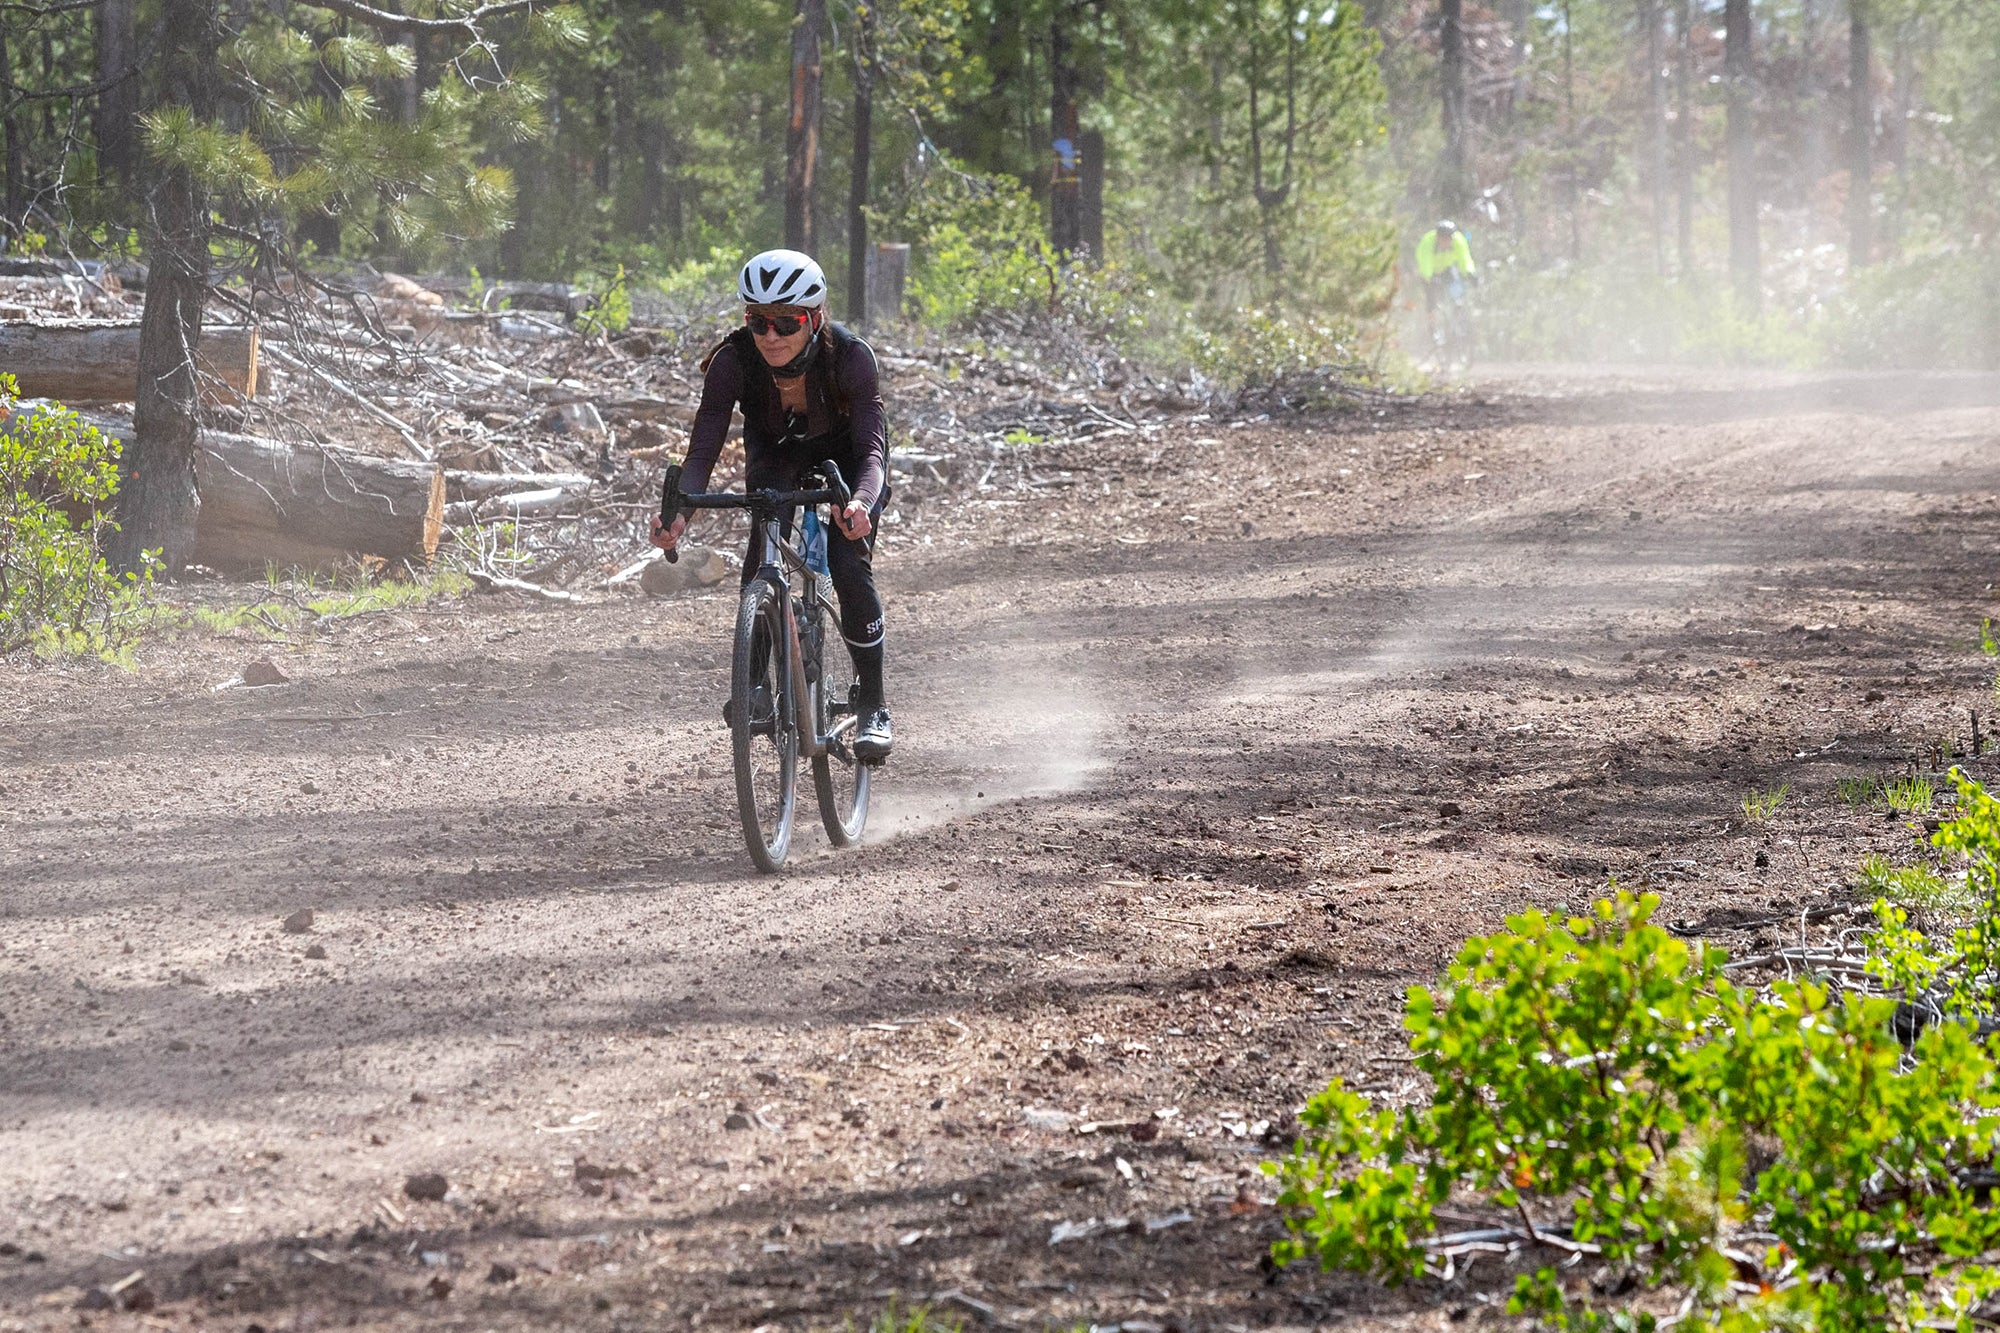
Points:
[[500, 1274], [854, 1115], [593, 1171], [1449, 810], [698, 567], [264, 671], [299, 922], [1763, 859], [316, 952], [949, 886], [97, 1298], [737, 1120], [439, 1288], [427, 1187], [1044, 1119], [1873, 697], [766, 1077], [309, 787]]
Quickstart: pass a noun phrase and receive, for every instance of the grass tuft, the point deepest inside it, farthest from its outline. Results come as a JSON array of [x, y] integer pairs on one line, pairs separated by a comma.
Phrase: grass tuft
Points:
[[1759, 806]]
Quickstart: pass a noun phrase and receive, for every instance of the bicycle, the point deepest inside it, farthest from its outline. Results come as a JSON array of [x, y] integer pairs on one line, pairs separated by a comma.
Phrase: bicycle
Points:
[[1452, 337], [780, 703]]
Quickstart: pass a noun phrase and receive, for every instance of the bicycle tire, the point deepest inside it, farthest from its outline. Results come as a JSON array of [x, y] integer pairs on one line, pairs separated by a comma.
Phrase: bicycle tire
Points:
[[766, 748], [840, 781]]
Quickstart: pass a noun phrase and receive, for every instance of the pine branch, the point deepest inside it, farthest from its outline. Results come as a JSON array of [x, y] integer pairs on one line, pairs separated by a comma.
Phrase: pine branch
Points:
[[48, 10], [385, 21]]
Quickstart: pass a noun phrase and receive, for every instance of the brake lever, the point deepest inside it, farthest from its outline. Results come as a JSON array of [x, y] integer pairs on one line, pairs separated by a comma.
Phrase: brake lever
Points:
[[835, 482]]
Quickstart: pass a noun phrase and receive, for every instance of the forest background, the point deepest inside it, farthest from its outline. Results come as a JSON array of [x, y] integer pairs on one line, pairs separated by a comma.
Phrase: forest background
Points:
[[1234, 186]]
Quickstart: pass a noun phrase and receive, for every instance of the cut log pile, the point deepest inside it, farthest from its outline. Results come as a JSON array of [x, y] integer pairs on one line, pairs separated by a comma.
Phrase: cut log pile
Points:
[[380, 425]]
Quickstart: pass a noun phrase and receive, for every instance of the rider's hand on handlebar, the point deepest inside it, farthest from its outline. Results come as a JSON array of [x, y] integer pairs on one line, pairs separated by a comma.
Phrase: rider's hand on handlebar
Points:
[[668, 538], [854, 520]]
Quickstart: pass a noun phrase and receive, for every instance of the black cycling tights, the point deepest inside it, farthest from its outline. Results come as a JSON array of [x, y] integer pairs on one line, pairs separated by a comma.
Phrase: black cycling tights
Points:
[[851, 563]]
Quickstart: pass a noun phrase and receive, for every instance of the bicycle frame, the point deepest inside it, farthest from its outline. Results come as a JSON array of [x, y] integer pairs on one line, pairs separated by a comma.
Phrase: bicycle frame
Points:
[[782, 557]]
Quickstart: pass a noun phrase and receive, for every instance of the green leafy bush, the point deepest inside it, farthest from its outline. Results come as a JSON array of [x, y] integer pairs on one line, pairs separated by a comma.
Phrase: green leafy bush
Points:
[[57, 595], [1749, 1160]]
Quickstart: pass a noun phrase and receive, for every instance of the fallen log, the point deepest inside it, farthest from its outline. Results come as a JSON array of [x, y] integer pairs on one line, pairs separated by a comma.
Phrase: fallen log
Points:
[[264, 502], [99, 363], [463, 485]]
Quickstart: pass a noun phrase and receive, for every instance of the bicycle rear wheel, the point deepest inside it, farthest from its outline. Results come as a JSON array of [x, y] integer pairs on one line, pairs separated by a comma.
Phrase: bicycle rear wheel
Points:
[[840, 781], [764, 726]]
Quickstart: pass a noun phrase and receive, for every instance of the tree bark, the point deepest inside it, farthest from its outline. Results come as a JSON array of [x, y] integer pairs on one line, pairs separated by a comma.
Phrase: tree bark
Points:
[[159, 502], [1861, 146], [1065, 194], [857, 186], [101, 364], [1452, 183], [1745, 262], [802, 129], [118, 105]]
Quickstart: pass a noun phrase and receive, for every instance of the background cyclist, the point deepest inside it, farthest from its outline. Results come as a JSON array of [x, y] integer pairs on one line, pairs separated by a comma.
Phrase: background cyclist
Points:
[[809, 390], [1441, 252]]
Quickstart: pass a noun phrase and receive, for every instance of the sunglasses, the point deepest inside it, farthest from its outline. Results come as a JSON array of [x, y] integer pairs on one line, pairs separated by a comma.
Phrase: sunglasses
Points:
[[782, 325]]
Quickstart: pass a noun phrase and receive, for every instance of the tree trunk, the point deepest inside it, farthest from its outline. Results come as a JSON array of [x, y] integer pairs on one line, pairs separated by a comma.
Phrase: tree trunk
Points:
[[857, 185], [15, 150], [1861, 147], [1902, 101], [1452, 181], [1065, 182], [1573, 168], [802, 129], [1745, 263], [1684, 139], [118, 105], [1091, 201], [1653, 15], [158, 504], [79, 364]]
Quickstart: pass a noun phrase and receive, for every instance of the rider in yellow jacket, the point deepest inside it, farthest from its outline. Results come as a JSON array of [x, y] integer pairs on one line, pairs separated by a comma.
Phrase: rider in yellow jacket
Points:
[[1441, 252]]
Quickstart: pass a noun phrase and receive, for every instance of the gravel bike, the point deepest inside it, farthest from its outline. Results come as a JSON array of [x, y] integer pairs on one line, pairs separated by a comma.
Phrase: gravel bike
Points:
[[791, 687], [1451, 331]]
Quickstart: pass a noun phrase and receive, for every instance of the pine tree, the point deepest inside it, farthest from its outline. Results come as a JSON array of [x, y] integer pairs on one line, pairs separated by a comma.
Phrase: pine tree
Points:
[[290, 151]]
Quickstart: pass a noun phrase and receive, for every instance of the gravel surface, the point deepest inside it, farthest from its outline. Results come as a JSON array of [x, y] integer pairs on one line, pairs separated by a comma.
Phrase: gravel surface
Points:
[[432, 988]]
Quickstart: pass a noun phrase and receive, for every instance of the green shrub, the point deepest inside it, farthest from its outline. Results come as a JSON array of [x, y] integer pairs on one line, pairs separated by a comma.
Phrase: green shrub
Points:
[[57, 595], [1770, 1159], [977, 250]]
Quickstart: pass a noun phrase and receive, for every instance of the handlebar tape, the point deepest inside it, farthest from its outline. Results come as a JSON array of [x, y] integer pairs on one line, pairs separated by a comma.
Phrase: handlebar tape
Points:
[[670, 504]]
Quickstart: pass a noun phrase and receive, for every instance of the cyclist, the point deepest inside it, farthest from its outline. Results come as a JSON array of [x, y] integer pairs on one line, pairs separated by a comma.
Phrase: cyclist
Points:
[[1443, 256], [809, 391]]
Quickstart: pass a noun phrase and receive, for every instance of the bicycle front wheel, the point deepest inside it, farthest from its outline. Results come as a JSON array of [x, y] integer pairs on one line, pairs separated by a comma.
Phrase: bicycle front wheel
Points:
[[840, 781], [764, 726]]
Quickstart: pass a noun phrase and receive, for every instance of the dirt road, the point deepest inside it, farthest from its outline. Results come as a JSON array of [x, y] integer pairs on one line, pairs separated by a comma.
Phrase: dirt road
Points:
[[1210, 744]]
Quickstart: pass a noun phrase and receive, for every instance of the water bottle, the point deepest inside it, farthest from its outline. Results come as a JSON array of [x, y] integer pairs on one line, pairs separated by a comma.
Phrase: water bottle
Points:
[[815, 535]]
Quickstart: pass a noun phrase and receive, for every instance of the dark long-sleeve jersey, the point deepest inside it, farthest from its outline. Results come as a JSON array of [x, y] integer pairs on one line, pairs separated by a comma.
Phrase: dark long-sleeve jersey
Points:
[[841, 378]]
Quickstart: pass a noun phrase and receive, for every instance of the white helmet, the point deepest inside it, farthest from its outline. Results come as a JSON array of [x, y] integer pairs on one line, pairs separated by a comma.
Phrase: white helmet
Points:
[[782, 277]]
